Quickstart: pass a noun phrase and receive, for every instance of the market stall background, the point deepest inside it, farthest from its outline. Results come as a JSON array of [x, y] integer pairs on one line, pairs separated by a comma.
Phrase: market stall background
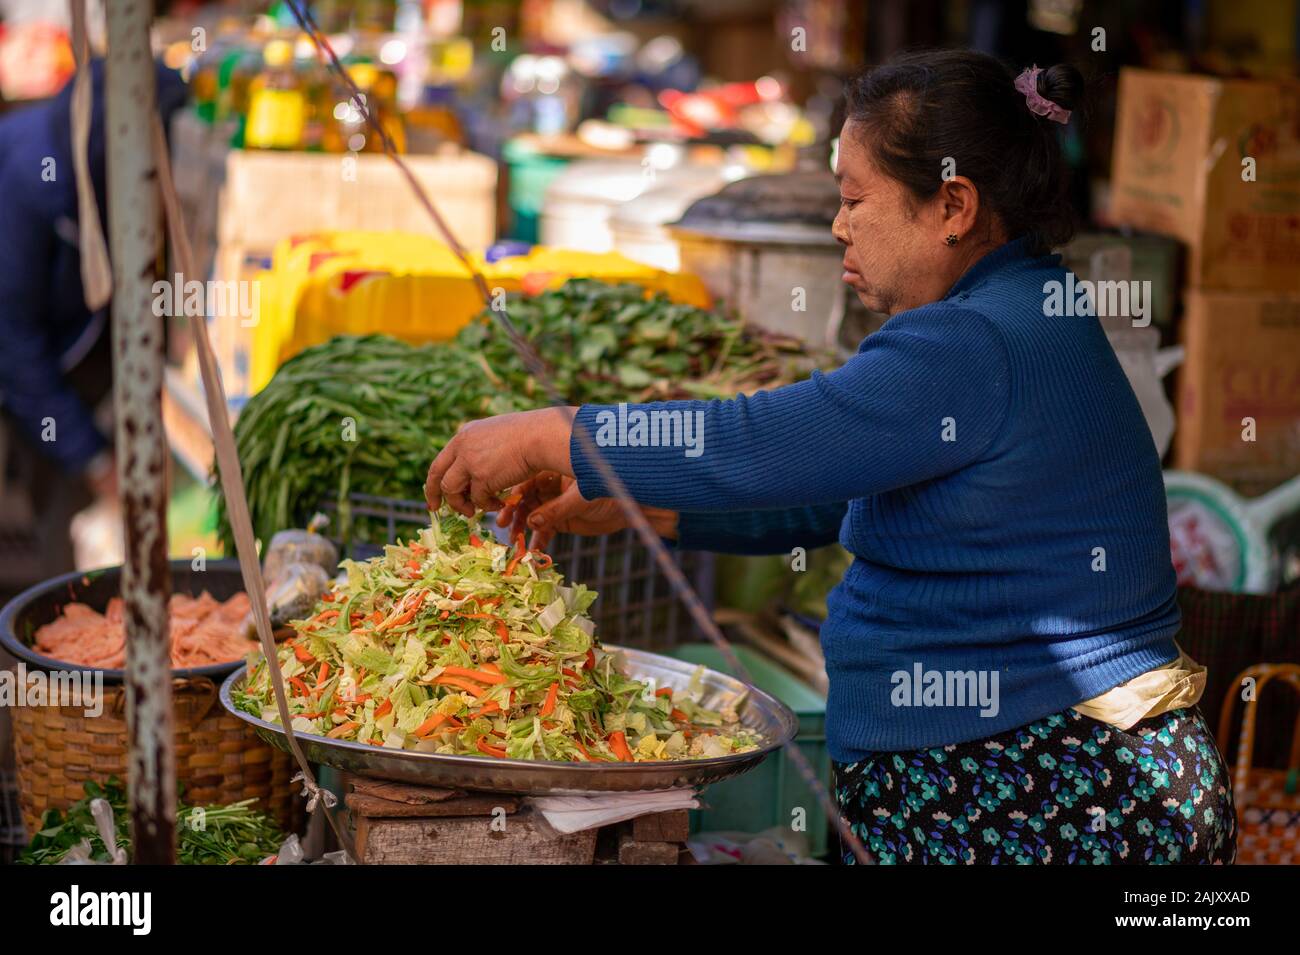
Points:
[[685, 149]]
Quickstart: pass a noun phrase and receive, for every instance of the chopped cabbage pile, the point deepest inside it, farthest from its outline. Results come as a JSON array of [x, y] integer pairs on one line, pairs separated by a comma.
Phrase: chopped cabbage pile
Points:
[[458, 644]]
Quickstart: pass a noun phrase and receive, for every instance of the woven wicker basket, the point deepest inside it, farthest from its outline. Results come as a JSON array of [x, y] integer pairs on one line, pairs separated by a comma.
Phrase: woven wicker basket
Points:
[[218, 759], [1268, 803]]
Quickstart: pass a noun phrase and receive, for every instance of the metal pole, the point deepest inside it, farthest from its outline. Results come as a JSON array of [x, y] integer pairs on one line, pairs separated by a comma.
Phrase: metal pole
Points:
[[134, 238]]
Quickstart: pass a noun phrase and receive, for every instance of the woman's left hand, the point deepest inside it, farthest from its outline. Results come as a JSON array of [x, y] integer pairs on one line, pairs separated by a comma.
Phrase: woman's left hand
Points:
[[488, 456]]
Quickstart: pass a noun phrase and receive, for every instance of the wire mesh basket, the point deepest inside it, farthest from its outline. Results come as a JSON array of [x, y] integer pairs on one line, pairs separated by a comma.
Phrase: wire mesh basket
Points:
[[636, 606]]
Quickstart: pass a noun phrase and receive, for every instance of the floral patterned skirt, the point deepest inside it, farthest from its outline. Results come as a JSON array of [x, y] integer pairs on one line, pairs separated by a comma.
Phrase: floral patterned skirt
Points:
[[1066, 789]]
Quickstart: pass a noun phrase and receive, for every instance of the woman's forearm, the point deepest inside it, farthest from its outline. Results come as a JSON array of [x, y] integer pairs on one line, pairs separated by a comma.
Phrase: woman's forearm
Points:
[[548, 439]]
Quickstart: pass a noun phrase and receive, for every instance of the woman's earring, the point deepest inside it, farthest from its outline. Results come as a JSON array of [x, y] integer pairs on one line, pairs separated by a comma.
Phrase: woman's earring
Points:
[[952, 238]]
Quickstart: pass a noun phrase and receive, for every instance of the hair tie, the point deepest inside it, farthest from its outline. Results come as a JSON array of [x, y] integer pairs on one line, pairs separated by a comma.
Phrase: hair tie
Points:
[[1027, 83]]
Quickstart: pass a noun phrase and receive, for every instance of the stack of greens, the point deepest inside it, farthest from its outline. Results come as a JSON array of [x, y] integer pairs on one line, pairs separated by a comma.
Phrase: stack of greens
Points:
[[457, 644], [356, 413], [208, 835], [369, 413], [609, 343]]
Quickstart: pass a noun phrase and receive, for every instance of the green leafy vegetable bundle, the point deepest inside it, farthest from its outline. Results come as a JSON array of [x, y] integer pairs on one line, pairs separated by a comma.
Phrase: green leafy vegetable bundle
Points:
[[607, 343], [369, 413], [458, 644], [208, 835]]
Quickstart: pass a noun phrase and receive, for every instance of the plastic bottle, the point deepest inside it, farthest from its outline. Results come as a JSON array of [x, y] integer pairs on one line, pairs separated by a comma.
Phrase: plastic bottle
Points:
[[277, 104], [434, 121], [318, 95], [346, 128]]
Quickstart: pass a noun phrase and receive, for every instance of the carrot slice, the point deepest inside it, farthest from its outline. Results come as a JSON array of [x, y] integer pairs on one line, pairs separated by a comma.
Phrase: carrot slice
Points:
[[431, 724], [664, 691], [491, 706], [408, 613], [520, 550], [618, 743], [473, 689], [679, 716], [548, 706], [343, 729], [490, 750], [482, 676], [383, 708]]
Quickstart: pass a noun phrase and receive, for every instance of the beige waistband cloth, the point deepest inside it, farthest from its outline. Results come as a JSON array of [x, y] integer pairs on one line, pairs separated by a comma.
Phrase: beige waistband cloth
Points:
[[1157, 691]]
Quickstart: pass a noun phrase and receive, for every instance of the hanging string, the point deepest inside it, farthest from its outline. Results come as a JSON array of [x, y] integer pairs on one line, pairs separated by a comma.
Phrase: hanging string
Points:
[[538, 368]]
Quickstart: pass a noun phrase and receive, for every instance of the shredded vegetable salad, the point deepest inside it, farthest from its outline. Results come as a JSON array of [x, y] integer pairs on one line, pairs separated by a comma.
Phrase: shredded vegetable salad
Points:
[[458, 644]]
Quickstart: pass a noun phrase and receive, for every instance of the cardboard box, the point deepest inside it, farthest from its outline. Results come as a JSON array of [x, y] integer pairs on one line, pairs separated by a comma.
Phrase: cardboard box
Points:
[[251, 199], [1180, 144], [1243, 361], [268, 196]]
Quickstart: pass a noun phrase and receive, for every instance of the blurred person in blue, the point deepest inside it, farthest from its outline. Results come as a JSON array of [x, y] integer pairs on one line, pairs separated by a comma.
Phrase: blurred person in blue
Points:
[[55, 357]]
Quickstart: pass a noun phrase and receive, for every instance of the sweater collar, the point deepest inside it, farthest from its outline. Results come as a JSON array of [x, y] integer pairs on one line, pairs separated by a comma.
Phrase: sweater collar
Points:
[[999, 258]]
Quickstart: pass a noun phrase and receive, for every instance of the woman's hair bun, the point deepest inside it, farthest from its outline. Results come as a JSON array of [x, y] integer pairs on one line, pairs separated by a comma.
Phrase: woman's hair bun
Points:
[[1062, 84]]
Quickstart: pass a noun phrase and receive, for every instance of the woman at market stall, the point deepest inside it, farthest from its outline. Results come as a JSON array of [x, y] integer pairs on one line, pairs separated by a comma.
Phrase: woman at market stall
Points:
[[1004, 681]]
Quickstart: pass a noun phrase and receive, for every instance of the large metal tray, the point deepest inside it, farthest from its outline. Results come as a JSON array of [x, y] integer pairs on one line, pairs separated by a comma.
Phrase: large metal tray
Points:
[[759, 711]]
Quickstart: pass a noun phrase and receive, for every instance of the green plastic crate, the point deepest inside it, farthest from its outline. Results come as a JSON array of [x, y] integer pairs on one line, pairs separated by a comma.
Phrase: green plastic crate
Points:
[[767, 796]]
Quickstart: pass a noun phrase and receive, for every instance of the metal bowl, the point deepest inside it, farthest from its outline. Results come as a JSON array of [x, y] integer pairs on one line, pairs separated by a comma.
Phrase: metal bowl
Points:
[[33, 608], [759, 711]]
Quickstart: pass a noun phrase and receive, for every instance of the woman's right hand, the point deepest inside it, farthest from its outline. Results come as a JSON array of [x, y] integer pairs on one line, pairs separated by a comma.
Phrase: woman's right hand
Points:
[[550, 504]]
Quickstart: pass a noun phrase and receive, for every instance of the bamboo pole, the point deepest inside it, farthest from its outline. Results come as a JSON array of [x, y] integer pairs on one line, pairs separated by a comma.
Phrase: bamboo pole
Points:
[[134, 238]]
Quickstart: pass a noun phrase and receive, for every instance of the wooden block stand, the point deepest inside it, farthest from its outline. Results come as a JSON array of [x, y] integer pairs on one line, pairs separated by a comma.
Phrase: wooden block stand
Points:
[[401, 824]]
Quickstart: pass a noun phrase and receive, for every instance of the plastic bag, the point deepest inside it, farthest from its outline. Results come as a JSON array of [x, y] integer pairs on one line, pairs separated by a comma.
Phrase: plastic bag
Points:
[[291, 853], [775, 846], [80, 854], [295, 546], [294, 592]]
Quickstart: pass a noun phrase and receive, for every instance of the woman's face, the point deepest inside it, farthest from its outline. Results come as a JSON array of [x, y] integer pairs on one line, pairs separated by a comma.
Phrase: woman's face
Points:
[[895, 256]]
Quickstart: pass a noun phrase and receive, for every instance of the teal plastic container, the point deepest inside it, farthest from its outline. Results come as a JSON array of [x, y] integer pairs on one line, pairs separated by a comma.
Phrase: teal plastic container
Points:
[[530, 173], [768, 795]]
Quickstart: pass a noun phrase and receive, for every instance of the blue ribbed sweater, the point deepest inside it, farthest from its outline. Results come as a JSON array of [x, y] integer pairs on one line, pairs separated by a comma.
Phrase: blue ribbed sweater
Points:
[[991, 472]]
